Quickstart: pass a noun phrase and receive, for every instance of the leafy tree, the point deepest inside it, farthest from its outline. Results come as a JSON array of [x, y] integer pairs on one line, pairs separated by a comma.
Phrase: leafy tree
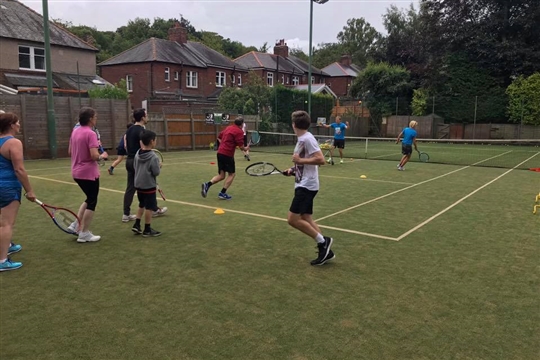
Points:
[[299, 53], [250, 108], [264, 48], [117, 91], [379, 85], [462, 82], [254, 95], [359, 39], [327, 53], [419, 102], [524, 100]]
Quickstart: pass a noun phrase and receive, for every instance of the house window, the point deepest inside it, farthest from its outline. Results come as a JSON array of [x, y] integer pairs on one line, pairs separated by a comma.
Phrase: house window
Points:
[[239, 79], [220, 78], [191, 79], [233, 79], [287, 80], [270, 79], [167, 74], [129, 83], [295, 80], [313, 79], [31, 58], [176, 75], [283, 79]]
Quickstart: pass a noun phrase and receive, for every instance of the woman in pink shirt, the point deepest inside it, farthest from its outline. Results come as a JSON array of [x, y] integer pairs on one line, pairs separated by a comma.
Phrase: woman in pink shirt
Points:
[[83, 148]]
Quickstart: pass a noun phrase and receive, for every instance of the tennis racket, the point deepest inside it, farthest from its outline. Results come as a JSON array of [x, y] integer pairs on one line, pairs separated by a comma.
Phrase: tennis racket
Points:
[[424, 157], [101, 150], [263, 169], [160, 157], [65, 219], [255, 138]]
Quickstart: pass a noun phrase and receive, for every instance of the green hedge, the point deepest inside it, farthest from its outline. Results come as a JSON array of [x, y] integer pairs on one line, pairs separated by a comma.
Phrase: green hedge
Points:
[[286, 100]]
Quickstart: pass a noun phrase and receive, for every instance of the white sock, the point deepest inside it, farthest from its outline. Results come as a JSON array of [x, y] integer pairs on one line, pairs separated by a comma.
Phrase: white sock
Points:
[[3, 261], [319, 239]]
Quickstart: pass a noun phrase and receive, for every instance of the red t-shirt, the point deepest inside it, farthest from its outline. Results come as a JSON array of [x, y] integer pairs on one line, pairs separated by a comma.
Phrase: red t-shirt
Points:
[[230, 138]]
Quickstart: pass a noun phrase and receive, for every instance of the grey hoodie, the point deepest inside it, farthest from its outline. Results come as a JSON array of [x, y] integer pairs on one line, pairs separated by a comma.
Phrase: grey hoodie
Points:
[[146, 164]]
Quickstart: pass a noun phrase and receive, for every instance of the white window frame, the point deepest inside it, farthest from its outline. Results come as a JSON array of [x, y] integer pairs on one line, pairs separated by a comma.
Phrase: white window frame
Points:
[[283, 79], [176, 75], [167, 74], [287, 80], [295, 80], [192, 79], [312, 80], [239, 80], [32, 57], [129, 83], [270, 79], [233, 79], [221, 79]]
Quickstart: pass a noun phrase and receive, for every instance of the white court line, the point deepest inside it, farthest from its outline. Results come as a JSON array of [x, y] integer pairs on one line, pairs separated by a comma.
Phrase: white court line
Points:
[[359, 179], [224, 209], [406, 188], [460, 200]]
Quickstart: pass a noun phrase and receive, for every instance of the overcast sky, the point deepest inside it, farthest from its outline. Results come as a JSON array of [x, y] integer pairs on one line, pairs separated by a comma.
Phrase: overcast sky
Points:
[[252, 22]]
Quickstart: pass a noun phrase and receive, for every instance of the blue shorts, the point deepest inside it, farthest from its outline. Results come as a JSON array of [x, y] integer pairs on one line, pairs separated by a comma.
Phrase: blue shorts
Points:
[[8, 195]]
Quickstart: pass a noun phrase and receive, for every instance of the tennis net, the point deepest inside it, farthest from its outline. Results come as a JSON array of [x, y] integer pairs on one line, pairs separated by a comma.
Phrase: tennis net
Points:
[[519, 154]]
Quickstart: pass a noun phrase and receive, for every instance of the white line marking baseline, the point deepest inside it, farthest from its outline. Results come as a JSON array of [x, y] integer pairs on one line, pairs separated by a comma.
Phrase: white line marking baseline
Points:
[[405, 188], [459, 201], [229, 210]]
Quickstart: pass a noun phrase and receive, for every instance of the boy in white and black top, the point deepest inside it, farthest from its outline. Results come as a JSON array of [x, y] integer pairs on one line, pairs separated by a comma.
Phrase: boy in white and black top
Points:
[[306, 158]]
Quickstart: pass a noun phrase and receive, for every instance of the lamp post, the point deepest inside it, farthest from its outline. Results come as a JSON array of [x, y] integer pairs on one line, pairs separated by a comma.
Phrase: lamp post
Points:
[[51, 124], [311, 47]]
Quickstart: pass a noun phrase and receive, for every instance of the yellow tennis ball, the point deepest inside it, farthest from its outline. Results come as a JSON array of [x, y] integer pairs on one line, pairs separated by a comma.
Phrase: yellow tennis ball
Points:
[[363, 176]]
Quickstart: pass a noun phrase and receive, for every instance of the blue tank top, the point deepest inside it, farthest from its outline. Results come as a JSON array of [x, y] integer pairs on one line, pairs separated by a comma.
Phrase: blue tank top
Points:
[[8, 179]]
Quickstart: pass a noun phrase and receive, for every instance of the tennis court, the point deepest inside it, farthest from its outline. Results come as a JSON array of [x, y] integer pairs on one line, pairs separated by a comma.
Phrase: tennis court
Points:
[[435, 262]]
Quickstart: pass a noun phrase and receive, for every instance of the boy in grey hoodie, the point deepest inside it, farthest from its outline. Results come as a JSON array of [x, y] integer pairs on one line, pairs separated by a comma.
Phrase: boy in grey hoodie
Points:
[[147, 167]]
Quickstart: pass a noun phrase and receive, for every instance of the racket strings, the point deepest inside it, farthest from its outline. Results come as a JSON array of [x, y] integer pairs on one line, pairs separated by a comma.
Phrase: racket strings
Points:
[[64, 218]]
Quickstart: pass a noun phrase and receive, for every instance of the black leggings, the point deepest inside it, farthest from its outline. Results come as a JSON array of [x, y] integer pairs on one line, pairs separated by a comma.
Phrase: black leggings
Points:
[[91, 190]]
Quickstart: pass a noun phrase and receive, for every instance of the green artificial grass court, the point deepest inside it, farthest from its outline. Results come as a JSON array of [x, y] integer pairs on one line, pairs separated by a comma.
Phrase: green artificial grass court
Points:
[[461, 282]]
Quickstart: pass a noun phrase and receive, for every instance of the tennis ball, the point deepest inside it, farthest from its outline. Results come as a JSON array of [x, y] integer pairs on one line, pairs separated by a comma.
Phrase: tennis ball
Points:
[[363, 176]]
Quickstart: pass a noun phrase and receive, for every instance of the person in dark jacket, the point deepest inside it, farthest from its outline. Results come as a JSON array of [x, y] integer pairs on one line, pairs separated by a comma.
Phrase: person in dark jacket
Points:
[[147, 167]]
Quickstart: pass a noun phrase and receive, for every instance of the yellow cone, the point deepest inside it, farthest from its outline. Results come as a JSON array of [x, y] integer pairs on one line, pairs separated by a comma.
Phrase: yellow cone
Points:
[[363, 176], [219, 211]]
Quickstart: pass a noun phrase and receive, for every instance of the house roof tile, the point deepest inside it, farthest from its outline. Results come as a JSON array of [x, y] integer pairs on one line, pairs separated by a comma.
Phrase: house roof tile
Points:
[[20, 22], [337, 69], [258, 60], [166, 51]]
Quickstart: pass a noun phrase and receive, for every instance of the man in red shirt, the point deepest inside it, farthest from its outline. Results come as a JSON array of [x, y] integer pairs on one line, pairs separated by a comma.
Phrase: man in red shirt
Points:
[[228, 139]]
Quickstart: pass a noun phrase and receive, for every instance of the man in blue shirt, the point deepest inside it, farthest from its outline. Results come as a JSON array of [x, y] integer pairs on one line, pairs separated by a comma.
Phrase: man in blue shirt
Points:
[[339, 138], [409, 139]]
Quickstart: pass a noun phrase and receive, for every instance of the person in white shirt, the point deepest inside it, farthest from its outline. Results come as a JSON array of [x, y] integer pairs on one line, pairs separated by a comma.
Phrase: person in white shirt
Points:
[[246, 152], [306, 158]]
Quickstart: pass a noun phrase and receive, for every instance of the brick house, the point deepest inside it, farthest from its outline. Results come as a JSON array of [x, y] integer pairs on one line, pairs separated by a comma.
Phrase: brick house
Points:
[[342, 75], [22, 54], [280, 67], [174, 69]]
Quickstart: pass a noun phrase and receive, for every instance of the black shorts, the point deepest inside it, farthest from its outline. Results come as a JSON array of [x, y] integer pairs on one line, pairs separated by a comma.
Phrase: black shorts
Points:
[[245, 140], [147, 199], [406, 149], [339, 143], [121, 151], [303, 201], [91, 190], [225, 163]]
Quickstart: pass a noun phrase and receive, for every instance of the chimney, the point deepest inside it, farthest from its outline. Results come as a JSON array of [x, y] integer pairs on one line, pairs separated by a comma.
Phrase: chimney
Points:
[[178, 33], [281, 49], [345, 60]]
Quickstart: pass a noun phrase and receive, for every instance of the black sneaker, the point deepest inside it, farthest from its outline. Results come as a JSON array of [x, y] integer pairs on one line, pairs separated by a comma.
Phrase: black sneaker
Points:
[[136, 229], [204, 189], [324, 251], [151, 233], [331, 256]]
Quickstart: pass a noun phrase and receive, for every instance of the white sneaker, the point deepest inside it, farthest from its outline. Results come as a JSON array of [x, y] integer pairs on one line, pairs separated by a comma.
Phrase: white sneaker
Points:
[[400, 168], [128, 218], [73, 227], [88, 237], [159, 212]]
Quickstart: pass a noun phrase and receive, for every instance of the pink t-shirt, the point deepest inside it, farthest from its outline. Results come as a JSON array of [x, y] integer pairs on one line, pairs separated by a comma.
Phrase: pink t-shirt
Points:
[[82, 140]]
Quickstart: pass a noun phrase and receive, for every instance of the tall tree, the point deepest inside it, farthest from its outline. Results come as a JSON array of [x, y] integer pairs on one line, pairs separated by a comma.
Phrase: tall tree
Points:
[[524, 100], [327, 53], [360, 40]]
